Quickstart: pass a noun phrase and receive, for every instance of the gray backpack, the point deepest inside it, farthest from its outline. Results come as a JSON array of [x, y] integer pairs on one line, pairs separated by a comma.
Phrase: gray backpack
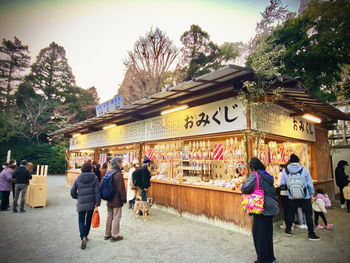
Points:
[[296, 185]]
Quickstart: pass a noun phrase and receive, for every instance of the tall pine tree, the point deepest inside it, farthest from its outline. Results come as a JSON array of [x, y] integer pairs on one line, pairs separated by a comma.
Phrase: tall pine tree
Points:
[[51, 74], [14, 59]]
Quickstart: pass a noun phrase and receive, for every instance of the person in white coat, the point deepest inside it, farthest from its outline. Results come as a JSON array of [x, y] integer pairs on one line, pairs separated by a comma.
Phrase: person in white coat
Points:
[[131, 191]]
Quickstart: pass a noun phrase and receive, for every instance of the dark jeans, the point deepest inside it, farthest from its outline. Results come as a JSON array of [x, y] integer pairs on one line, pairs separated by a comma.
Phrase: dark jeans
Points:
[[305, 205], [263, 238], [143, 194], [285, 204], [5, 200], [13, 190], [85, 218], [321, 214]]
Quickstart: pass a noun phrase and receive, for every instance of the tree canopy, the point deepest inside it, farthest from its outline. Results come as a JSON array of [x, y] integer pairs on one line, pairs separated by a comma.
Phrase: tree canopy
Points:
[[14, 59], [316, 46]]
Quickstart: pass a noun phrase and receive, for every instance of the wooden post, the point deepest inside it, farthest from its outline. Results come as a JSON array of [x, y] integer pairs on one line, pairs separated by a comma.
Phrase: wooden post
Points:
[[249, 140]]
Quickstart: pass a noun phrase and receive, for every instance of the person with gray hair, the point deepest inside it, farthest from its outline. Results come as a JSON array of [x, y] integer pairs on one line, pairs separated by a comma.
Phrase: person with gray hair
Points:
[[114, 207]]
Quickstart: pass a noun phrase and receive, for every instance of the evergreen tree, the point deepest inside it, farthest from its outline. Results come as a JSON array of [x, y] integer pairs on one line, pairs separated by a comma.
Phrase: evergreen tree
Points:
[[51, 74], [14, 59], [200, 55]]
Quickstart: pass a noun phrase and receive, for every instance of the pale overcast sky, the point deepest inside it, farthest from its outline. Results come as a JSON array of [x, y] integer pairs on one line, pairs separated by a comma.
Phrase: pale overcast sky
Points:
[[97, 34]]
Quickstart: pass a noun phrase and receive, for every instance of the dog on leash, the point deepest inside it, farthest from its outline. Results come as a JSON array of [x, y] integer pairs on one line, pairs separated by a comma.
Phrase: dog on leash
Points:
[[143, 206]]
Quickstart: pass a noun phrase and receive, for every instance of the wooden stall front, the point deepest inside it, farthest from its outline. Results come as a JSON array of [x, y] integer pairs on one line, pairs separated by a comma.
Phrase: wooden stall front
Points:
[[200, 153]]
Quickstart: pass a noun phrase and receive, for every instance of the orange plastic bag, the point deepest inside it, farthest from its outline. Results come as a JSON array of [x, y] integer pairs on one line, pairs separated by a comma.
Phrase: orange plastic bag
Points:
[[95, 218]]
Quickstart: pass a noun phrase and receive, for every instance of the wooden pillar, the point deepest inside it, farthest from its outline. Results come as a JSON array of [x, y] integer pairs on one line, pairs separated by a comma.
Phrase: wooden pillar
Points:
[[96, 155], [249, 140]]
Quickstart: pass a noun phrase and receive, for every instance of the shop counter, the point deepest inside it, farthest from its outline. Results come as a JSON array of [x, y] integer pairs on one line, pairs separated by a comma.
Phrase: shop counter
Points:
[[72, 175], [213, 202]]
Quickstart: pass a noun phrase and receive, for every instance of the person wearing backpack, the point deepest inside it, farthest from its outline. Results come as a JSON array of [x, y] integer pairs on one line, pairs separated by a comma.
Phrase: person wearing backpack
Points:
[[300, 191], [86, 190], [115, 205]]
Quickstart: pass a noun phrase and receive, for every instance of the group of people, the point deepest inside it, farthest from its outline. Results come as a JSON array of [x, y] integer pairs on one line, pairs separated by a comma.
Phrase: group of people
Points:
[[16, 179], [262, 229], [87, 192]]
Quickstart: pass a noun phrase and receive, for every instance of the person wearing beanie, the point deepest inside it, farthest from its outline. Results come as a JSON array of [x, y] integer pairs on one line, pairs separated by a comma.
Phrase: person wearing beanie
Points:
[[342, 180], [21, 175], [296, 177], [145, 178], [114, 207]]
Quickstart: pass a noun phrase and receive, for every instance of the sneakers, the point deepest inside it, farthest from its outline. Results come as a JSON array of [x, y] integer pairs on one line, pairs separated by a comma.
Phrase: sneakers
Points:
[[313, 237], [319, 227], [328, 226], [22, 211], [15, 210], [283, 226], [288, 233], [342, 206], [302, 226]]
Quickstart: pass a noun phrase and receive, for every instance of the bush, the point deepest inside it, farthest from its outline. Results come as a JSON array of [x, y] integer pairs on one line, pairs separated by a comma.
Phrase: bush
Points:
[[52, 154]]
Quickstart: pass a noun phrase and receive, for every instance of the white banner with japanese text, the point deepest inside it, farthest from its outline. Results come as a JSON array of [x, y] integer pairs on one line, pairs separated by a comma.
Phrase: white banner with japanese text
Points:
[[277, 120], [221, 116]]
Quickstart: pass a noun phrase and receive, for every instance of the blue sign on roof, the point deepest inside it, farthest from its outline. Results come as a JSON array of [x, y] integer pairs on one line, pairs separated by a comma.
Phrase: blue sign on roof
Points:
[[110, 105]]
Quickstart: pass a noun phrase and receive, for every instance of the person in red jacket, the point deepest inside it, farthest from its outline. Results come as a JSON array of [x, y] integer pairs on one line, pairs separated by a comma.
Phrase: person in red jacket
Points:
[[114, 207]]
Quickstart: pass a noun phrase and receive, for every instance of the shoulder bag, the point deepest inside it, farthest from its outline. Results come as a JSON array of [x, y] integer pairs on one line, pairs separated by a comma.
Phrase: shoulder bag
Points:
[[254, 203]]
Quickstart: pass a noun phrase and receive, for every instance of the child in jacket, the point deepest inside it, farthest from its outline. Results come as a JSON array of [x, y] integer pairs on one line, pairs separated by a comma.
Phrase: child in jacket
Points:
[[321, 201]]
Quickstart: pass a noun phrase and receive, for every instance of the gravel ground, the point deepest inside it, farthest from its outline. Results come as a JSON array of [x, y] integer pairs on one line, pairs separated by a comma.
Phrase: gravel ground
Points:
[[51, 235]]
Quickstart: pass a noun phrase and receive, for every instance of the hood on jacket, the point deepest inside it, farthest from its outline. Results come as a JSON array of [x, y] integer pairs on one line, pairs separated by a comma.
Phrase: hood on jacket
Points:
[[268, 177], [87, 177], [294, 167]]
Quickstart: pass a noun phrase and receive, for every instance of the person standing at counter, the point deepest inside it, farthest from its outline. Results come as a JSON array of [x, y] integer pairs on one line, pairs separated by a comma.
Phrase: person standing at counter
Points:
[[342, 180], [145, 178], [103, 170], [262, 224], [300, 192]]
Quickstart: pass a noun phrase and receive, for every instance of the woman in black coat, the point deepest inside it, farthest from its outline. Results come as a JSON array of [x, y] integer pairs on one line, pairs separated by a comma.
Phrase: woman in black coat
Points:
[[86, 190], [262, 224], [342, 180]]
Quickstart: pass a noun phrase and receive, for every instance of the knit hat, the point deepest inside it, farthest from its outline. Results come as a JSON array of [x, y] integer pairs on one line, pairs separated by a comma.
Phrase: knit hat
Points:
[[293, 158], [146, 160], [24, 162], [342, 163]]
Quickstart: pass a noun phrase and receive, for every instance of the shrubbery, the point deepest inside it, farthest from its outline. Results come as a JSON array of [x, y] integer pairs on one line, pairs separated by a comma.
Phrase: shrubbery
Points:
[[52, 154]]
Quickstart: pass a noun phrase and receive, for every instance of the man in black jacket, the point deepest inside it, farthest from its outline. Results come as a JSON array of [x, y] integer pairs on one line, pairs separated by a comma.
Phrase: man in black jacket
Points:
[[21, 176], [342, 180], [145, 178]]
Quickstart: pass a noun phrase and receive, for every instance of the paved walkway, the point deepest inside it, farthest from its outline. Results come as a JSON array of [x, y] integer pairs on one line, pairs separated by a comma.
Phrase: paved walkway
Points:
[[51, 235]]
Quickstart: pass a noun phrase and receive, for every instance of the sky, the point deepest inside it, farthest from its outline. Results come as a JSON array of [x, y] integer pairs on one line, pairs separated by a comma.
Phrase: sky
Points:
[[97, 34]]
